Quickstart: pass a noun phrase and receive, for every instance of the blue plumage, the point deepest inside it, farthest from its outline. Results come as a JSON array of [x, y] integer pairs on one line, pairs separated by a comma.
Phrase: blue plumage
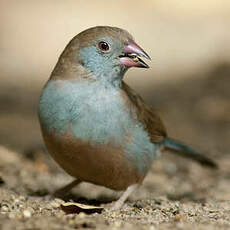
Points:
[[95, 112]]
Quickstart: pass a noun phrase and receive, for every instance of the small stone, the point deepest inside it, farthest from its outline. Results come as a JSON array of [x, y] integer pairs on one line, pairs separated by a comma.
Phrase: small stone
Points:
[[16, 200], [59, 214], [19, 216], [12, 197], [152, 228], [5, 209], [55, 203], [178, 217], [82, 215], [12, 215], [22, 198], [27, 213], [138, 206], [117, 224], [72, 222], [113, 215], [60, 201]]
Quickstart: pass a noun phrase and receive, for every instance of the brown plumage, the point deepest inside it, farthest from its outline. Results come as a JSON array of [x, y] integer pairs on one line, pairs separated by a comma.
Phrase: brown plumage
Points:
[[146, 115]]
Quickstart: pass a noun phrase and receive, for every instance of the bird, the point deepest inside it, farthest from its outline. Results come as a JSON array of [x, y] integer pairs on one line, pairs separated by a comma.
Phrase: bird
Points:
[[96, 127]]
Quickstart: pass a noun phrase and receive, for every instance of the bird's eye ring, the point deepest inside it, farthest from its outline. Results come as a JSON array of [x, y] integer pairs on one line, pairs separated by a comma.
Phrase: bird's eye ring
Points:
[[104, 46]]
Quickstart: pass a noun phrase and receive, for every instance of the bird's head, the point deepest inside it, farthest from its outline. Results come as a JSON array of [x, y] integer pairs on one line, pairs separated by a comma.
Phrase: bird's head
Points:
[[103, 52]]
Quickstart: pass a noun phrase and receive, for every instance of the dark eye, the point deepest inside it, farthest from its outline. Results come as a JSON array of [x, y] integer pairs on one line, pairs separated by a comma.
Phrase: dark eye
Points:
[[104, 46]]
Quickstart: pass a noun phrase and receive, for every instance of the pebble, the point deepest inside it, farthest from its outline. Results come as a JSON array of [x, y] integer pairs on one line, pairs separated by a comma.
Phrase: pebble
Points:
[[22, 198], [55, 203], [152, 228], [117, 224], [113, 215], [82, 215], [4, 208], [27, 213], [12, 215]]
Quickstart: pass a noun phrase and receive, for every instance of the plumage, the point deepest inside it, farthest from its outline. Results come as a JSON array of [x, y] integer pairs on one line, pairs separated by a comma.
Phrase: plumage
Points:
[[94, 125], [146, 115]]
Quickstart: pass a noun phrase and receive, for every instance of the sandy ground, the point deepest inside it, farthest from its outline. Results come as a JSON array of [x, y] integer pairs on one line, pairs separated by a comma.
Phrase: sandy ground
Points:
[[177, 193], [188, 83]]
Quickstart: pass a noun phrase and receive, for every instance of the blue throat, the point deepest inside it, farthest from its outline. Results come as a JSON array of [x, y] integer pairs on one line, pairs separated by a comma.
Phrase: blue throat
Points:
[[103, 67]]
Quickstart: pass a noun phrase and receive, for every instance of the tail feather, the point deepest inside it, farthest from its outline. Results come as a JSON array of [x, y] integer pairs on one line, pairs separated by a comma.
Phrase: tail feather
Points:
[[174, 146]]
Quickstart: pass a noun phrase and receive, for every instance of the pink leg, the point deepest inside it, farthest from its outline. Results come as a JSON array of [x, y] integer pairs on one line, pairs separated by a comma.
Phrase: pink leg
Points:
[[119, 203]]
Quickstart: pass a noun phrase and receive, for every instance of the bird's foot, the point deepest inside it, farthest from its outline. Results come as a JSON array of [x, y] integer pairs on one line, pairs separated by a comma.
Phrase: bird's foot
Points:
[[119, 203]]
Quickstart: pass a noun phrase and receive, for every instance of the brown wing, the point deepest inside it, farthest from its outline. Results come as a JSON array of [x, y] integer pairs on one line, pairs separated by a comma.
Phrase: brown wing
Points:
[[146, 115]]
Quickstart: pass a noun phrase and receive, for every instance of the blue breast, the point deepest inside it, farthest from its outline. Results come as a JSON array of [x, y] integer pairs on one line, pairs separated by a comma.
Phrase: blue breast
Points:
[[95, 112]]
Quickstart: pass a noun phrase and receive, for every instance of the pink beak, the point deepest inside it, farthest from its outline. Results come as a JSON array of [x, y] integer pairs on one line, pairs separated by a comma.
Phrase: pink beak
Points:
[[131, 56]]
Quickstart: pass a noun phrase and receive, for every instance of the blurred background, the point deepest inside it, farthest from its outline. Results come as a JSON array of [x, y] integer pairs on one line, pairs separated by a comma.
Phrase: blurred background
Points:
[[188, 82]]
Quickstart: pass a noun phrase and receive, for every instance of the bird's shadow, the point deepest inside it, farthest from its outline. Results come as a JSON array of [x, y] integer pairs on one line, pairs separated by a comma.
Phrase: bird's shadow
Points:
[[74, 197], [100, 200]]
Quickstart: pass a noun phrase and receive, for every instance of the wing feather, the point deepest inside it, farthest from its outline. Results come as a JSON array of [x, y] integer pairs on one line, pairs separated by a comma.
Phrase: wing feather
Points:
[[146, 115]]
